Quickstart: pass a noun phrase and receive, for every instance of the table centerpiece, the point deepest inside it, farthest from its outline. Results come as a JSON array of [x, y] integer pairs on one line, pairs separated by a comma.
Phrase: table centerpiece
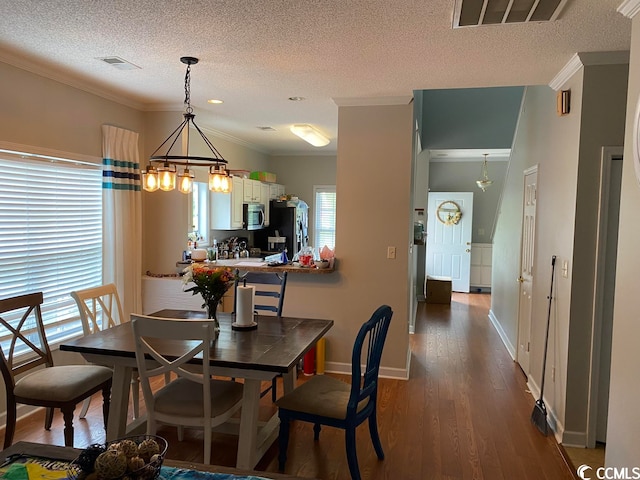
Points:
[[212, 282]]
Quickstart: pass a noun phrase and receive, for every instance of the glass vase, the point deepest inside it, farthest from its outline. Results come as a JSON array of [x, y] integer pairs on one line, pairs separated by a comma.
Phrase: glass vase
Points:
[[212, 308]]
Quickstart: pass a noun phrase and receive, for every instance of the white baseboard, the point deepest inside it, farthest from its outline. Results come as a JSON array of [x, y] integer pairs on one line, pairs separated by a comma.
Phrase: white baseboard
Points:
[[503, 335], [385, 372]]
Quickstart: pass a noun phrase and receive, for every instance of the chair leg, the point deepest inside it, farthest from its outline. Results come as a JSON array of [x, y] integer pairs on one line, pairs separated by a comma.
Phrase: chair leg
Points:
[[352, 458], [67, 415], [375, 438], [316, 431], [11, 424], [106, 402], [85, 407], [274, 384], [48, 418], [135, 395], [283, 442]]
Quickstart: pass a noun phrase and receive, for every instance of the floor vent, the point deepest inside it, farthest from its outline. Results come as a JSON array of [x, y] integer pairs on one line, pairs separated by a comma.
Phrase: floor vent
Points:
[[119, 63], [473, 13]]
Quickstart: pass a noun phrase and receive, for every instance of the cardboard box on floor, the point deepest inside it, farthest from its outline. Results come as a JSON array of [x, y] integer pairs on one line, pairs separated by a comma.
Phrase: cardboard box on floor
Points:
[[438, 289]]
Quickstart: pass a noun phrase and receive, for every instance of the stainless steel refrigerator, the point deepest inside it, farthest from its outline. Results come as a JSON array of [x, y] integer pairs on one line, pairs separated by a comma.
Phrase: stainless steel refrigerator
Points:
[[290, 219]]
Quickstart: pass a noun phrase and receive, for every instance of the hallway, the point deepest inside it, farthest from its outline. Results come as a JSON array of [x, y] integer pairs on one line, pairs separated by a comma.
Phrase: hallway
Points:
[[475, 419]]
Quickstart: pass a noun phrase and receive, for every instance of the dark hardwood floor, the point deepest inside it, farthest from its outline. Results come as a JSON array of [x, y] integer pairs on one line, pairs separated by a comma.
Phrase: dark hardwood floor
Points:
[[464, 413]]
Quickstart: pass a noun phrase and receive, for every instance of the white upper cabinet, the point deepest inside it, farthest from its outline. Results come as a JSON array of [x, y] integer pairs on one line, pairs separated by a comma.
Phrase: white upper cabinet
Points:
[[252, 190], [226, 208]]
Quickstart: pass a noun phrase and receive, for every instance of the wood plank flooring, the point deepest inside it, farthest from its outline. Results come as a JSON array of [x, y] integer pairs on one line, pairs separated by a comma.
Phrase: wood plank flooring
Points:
[[464, 413]]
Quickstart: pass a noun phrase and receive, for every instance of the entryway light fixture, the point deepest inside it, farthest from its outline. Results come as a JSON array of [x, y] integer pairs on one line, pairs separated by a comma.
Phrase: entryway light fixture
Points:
[[484, 182], [310, 135], [162, 170]]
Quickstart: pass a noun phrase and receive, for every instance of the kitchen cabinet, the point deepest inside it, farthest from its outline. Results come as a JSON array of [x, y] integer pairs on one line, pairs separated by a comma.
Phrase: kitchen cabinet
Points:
[[226, 208], [275, 191], [251, 190]]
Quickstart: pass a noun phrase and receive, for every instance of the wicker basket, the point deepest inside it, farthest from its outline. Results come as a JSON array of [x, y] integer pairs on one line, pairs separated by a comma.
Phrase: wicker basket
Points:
[[85, 466]]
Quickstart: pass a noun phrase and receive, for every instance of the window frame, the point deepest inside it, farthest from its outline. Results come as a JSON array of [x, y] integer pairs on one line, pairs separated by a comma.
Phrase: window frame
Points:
[[317, 231]]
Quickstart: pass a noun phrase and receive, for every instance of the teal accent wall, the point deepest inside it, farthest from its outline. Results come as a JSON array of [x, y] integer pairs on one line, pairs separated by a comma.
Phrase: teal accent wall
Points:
[[470, 118]]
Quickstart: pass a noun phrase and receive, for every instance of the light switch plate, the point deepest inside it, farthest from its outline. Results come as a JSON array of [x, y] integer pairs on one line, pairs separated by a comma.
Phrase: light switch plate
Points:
[[565, 268]]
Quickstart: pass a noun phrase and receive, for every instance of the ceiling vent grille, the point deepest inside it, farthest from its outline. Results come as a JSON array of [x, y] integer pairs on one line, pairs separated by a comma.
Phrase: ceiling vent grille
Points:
[[473, 13], [119, 63]]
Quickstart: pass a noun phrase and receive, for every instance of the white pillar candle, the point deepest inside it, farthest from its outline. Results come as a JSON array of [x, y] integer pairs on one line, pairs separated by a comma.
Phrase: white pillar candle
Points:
[[244, 305]]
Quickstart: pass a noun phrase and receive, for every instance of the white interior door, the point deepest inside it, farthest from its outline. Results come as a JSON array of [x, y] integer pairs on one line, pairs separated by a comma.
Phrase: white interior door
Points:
[[449, 239], [526, 266]]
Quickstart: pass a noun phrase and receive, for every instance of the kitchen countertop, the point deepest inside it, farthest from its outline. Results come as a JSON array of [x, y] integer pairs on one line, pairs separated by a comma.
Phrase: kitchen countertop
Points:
[[259, 265]]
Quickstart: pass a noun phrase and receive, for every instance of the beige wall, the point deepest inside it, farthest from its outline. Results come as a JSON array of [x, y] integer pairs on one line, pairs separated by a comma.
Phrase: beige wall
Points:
[[623, 448], [567, 151], [374, 204], [43, 113]]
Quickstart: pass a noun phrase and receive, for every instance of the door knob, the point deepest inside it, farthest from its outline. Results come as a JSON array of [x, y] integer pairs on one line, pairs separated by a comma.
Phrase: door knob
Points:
[[467, 250], [520, 279]]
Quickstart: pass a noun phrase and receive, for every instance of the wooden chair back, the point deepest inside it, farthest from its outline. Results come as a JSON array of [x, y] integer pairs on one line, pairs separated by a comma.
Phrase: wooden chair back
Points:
[[99, 307], [269, 292], [372, 334], [149, 332], [27, 347]]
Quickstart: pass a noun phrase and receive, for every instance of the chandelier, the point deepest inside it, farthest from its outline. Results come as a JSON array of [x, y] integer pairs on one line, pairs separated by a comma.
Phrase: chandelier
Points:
[[484, 182], [162, 172]]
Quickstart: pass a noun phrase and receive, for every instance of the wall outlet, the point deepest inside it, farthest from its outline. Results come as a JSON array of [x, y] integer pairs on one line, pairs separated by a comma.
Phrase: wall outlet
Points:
[[391, 252]]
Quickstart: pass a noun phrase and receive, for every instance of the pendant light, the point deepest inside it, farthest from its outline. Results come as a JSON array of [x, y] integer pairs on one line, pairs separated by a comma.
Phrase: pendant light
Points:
[[484, 182], [162, 172]]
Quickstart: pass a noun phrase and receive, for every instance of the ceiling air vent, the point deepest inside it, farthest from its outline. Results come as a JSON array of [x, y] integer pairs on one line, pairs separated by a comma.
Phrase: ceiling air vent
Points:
[[472, 13], [119, 63]]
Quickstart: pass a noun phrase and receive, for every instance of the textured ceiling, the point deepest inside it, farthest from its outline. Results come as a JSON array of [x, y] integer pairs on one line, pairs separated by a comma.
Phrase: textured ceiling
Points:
[[255, 54]]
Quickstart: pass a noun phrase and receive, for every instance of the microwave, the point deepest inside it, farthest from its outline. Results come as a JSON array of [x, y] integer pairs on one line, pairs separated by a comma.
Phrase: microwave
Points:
[[253, 216]]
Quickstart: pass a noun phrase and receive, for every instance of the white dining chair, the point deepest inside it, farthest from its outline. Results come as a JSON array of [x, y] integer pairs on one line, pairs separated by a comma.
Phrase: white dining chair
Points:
[[100, 308], [193, 399]]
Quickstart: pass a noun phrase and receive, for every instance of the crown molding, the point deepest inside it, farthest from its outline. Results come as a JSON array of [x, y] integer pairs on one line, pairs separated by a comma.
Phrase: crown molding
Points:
[[583, 59], [372, 101], [66, 79], [232, 139], [629, 8]]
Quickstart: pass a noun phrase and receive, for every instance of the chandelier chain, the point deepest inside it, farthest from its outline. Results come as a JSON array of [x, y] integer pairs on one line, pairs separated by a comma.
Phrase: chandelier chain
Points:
[[187, 90]]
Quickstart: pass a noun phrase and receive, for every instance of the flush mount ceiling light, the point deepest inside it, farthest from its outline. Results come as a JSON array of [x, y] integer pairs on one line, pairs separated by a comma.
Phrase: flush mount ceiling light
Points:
[[484, 182], [310, 135], [162, 170]]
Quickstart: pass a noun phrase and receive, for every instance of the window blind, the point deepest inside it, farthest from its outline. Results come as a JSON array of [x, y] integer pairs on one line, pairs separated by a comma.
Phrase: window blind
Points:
[[50, 236], [324, 232]]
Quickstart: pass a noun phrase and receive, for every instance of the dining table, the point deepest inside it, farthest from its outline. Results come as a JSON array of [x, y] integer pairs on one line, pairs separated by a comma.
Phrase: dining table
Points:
[[275, 347]]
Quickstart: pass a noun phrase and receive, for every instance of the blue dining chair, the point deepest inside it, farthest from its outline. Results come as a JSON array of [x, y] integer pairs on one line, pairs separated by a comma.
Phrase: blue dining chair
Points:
[[325, 400], [269, 297]]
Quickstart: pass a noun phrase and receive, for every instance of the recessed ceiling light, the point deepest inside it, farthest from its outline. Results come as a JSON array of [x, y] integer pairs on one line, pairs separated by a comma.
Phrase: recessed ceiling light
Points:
[[214, 100], [297, 99]]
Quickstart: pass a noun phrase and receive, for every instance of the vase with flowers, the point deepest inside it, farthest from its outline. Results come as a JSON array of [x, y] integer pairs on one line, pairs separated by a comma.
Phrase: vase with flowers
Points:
[[212, 283]]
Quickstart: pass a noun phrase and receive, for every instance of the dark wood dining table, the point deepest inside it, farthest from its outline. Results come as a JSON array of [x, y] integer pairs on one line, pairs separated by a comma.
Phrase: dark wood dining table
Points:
[[275, 347]]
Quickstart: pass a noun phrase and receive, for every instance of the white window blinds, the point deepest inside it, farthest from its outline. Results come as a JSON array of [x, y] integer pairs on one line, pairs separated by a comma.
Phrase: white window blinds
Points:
[[50, 236], [324, 232]]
